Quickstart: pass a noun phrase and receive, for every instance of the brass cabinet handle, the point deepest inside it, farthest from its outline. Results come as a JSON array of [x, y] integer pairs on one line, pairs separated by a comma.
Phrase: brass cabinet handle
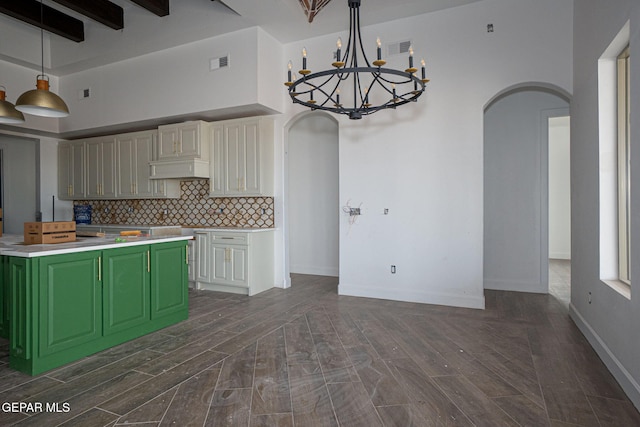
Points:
[[186, 254], [148, 262], [99, 269]]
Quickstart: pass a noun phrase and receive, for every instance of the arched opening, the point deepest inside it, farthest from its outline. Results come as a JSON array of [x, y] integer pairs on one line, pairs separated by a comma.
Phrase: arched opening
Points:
[[516, 186], [312, 196]]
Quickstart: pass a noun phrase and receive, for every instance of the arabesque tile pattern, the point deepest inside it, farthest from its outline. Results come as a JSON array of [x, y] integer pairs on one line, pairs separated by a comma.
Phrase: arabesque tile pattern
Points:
[[193, 208]]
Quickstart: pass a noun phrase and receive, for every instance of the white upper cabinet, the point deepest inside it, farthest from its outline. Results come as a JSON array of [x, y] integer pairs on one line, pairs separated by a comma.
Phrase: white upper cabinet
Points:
[[71, 170], [186, 140], [101, 167], [241, 162]]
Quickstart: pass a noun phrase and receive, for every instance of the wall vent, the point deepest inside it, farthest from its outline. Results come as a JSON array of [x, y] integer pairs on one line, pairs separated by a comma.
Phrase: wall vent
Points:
[[217, 63], [398, 48], [84, 93]]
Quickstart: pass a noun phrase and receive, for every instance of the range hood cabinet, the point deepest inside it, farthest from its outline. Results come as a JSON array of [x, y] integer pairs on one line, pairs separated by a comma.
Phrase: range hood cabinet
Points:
[[179, 169]]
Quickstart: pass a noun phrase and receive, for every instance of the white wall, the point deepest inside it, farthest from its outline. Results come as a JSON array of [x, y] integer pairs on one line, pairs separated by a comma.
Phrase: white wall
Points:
[[48, 177], [424, 161], [608, 318], [559, 188], [169, 83], [18, 181], [515, 191], [314, 205]]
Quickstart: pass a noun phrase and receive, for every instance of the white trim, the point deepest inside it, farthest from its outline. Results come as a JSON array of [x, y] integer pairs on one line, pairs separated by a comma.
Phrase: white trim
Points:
[[617, 369], [316, 271], [439, 298], [559, 255], [519, 285]]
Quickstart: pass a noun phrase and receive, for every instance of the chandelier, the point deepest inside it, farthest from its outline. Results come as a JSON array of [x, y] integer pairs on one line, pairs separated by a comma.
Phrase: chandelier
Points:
[[360, 80]]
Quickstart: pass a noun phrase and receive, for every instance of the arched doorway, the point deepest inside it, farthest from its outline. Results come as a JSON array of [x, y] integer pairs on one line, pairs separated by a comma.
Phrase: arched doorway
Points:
[[312, 195], [516, 195]]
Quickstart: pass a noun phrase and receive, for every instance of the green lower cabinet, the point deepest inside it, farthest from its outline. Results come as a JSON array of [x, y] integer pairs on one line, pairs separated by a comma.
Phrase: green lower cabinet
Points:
[[70, 297], [65, 307], [125, 294], [169, 266], [4, 297]]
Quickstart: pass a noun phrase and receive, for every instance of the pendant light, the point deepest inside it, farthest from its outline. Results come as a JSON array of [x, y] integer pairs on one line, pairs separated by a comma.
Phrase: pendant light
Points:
[[40, 101], [8, 112]]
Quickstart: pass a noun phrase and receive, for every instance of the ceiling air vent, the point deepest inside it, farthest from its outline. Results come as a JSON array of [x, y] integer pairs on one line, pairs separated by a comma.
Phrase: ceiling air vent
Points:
[[217, 63], [398, 48]]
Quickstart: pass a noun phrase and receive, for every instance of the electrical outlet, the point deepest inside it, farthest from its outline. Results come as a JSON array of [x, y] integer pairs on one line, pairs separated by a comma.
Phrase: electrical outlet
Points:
[[393, 269], [354, 211]]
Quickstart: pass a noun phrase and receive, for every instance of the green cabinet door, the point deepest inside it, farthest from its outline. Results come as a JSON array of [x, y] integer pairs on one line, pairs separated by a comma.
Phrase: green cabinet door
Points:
[[4, 297], [169, 280], [125, 288], [70, 309]]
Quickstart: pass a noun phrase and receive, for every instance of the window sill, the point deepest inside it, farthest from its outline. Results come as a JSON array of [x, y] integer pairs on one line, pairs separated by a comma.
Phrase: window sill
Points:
[[620, 287]]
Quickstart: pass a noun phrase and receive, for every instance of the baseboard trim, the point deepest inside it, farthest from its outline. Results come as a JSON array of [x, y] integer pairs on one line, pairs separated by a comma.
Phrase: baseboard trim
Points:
[[617, 369], [438, 298], [316, 271], [516, 286], [560, 255]]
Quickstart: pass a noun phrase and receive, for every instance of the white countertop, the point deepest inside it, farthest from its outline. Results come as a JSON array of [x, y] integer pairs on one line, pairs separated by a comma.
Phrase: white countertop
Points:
[[13, 244], [229, 229], [128, 226]]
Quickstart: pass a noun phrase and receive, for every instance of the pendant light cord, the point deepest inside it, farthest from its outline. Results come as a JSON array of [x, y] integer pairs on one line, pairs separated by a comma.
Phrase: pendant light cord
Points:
[[42, 36]]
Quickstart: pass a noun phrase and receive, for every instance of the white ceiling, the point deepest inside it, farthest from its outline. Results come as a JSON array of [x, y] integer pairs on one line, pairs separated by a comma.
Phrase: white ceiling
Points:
[[189, 21]]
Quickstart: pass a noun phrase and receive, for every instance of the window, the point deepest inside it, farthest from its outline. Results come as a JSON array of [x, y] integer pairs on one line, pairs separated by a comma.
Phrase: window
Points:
[[623, 171], [614, 161]]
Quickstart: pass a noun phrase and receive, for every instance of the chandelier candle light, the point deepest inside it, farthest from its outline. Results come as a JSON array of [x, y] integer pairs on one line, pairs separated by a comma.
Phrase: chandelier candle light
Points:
[[395, 86]]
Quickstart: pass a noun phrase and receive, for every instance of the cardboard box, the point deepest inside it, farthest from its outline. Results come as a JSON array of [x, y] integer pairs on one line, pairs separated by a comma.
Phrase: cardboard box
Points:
[[49, 232]]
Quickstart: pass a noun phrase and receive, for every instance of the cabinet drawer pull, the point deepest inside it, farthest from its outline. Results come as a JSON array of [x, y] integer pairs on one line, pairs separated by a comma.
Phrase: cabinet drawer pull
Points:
[[148, 262], [99, 269], [186, 254], [227, 238]]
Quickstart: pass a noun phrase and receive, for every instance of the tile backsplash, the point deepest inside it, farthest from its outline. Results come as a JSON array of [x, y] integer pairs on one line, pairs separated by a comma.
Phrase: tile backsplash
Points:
[[193, 208]]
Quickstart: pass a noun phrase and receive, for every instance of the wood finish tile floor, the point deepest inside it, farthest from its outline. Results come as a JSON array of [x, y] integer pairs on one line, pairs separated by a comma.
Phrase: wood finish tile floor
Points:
[[308, 357]]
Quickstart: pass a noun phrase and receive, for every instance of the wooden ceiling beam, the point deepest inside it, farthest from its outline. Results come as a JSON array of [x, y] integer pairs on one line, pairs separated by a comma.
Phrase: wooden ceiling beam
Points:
[[158, 7], [102, 11], [51, 19]]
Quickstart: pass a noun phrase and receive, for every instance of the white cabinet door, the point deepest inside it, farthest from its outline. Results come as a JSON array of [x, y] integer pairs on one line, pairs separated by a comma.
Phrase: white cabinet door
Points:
[[108, 185], [203, 265], [189, 139], [230, 265], [182, 140], [101, 176], [191, 268], [167, 142], [251, 179], [126, 156], [144, 155], [134, 152], [64, 171], [241, 162], [216, 161], [71, 170], [234, 162], [238, 271]]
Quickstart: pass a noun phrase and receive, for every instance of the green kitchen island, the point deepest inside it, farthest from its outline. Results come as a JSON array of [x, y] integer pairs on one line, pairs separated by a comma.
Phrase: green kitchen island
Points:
[[61, 302]]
